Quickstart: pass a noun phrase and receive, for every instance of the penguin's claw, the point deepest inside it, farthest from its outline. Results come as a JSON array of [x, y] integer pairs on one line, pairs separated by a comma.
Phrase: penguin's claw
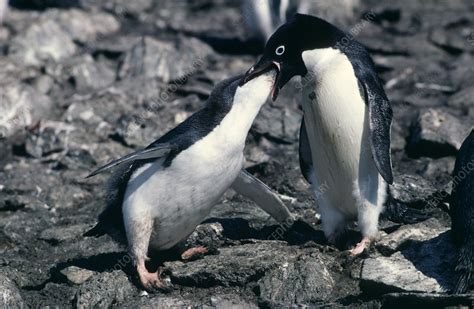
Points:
[[192, 252], [361, 246], [150, 281]]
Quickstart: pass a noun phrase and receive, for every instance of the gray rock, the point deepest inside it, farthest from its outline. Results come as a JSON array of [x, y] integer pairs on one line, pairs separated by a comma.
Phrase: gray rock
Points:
[[437, 133], [21, 106], [451, 39], [57, 235], [206, 234], [304, 281], [88, 74], [103, 290], [76, 275], [49, 138], [167, 60], [231, 301], [44, 40], [234, 266], [463, 99], [124, 8], [439, 171], [425, 266], [412, 190], [84, 26], [280, 123], [10, 296], [408, 234]]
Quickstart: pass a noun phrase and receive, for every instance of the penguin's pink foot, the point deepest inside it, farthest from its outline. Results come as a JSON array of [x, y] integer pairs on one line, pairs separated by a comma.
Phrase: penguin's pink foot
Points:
[[191, 252], [150, 281], [361, 246]]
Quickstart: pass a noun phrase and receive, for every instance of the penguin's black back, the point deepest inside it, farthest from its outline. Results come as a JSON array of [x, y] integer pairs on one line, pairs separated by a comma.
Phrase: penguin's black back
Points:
[[181, 137], [462, 211]]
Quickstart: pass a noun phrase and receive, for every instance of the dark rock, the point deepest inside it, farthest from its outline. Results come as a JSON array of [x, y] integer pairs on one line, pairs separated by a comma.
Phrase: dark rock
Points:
[[57, 235], [397, 300], [10, 296], [104, 290], [412, 190], [281, 124], [439, 172], [303, 282], [42, 41], [168, 61], [437, 133], [43, 4], [461, 72]]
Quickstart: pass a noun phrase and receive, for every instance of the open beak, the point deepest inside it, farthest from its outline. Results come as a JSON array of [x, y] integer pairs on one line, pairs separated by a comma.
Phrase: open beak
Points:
[[261, 68]]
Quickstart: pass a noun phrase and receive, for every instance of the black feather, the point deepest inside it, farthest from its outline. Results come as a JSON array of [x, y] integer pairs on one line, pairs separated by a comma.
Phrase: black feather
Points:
[[462, 212]]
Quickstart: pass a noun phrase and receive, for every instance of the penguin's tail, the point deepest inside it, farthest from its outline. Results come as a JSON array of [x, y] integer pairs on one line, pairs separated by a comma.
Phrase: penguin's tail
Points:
[[96, 231], [465, 267]]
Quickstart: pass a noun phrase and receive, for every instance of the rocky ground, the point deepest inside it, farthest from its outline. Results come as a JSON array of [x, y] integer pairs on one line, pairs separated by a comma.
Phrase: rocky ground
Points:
[[82, 83]]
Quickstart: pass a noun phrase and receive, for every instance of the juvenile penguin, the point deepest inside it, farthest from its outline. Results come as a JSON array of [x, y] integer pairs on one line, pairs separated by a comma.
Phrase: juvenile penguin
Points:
[[345, 134], [160, 194], [462, 213]]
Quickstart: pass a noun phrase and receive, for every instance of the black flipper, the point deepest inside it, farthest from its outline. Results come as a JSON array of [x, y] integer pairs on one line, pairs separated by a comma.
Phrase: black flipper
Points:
[[380, 109], [380, 115], [306, 161], [155, 152]]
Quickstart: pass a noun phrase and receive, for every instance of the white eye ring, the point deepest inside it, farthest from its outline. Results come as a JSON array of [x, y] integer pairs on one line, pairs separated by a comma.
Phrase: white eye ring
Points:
[[280, 50]]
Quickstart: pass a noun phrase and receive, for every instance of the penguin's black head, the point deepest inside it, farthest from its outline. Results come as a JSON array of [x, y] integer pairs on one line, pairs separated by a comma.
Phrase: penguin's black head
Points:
[[284, 50]]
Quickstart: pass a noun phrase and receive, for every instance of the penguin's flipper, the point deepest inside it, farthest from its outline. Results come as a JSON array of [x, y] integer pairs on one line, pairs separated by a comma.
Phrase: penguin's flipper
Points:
[[306, 161], [154, 152], [254, 189], [380, 117]]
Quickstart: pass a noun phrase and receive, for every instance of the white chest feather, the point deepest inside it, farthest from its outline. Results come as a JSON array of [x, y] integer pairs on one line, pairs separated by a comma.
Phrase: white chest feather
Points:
[[338, 129], [180, 196]]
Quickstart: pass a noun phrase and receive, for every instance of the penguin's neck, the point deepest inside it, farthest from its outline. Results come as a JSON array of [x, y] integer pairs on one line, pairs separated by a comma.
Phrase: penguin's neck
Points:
[[247, 102]]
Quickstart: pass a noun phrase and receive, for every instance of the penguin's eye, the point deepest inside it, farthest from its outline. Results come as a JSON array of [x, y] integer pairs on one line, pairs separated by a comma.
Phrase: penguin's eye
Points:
[[280, 50]]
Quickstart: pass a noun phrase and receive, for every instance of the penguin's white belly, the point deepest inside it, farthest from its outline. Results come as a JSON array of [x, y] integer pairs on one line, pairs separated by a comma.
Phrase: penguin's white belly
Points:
[[337, 124], [180, 197]]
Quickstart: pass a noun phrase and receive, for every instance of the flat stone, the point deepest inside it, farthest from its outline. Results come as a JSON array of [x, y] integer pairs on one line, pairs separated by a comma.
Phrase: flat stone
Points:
[[408, 234], [234, 266], [56, 235], [425, 266], [305, 281], [76, 275]]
